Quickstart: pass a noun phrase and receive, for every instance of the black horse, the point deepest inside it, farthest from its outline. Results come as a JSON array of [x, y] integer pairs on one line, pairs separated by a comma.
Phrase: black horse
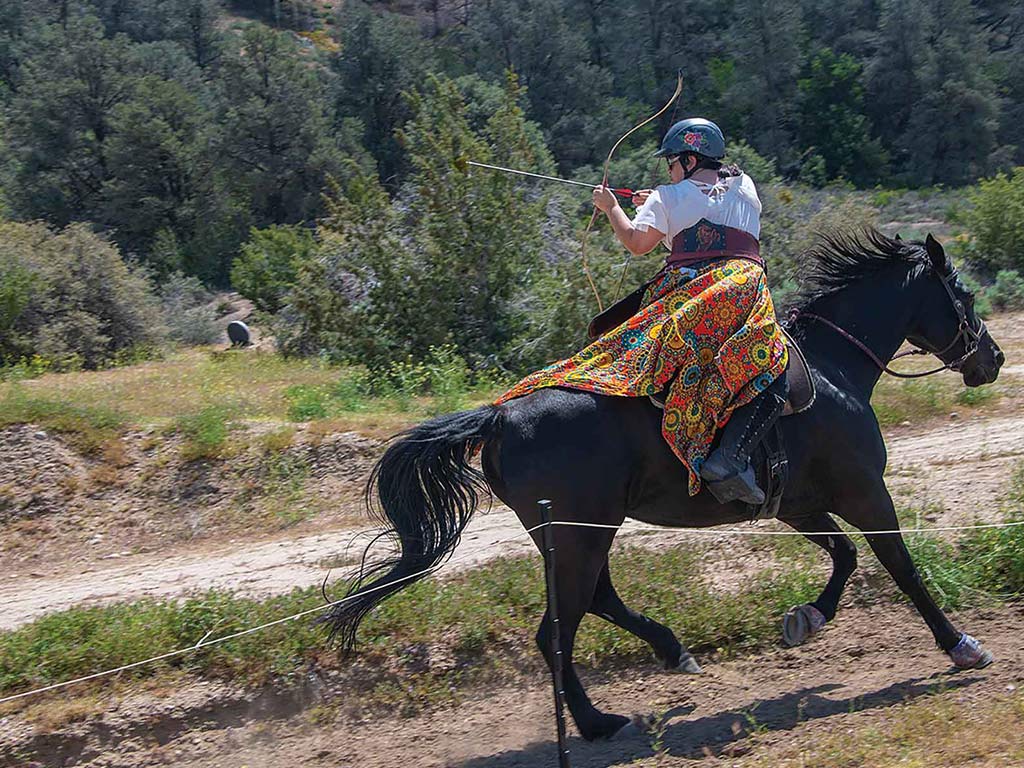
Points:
[[602, 459]]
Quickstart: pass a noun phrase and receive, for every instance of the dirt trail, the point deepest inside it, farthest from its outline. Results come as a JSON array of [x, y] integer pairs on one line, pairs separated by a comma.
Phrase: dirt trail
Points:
[[963, 466], [871, 662]]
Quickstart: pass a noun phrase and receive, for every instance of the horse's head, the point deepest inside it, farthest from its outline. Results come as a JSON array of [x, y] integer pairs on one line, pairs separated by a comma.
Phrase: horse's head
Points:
[[948, 326]]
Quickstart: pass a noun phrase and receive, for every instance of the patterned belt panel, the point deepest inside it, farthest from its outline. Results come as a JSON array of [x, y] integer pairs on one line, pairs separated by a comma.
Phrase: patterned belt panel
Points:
[[705, 240]]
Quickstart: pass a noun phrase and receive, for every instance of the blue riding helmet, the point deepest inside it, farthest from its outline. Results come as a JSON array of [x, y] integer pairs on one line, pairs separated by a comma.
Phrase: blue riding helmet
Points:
[[695, 134]]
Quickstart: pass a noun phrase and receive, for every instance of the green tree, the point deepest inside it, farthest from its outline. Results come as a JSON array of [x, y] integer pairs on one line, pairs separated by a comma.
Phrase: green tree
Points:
[[382, 56], [269, 263], [449, 262], [159, 170], [276, 142], [60, 121], [832, 119], [930, 98], [765, 38]]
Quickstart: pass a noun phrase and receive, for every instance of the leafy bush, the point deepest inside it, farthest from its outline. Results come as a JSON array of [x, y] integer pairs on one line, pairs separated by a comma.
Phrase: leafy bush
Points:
[[1008, 290], [761, 169], [449, 379], [70, 298], [206, 432], [186, 303], [996, 223], [306, 403], [268, 265]]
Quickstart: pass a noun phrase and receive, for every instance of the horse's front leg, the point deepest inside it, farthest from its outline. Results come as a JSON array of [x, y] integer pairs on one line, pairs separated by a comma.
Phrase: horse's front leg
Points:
[[666, 646], [802, 621], [580, 556], [875, 511]]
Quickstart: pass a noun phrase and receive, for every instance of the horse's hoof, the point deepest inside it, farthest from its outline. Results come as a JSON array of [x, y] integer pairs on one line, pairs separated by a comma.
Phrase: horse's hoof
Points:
[[689, 665], [968, 654], [800, 623], [638, 725]]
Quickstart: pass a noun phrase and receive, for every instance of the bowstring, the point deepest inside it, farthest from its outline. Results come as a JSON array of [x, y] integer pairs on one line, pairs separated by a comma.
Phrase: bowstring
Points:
[[674, 100]]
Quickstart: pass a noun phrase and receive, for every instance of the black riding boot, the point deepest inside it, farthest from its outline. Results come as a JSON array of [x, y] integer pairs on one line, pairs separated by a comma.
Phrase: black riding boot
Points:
[[728, 471]]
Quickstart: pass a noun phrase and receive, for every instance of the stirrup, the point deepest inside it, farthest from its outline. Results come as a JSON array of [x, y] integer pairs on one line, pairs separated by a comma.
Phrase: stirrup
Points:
[[741, 486]]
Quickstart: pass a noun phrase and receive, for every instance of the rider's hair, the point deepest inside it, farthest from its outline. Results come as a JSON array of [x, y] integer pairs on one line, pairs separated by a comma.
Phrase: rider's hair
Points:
[[705, 162]]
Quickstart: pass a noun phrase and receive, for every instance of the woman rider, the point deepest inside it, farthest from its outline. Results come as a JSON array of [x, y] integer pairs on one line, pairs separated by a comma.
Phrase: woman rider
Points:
[[703, 330], [708, 213]]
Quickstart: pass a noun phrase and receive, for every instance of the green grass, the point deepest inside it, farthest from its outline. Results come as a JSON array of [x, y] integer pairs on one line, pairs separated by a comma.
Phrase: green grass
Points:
[[205, 431], [483, 620], [88, 427], [933, 731], [896, 401], [486, 619], [179, 393]]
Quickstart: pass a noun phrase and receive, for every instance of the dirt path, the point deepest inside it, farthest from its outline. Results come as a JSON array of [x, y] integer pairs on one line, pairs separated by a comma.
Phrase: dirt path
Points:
[[872, 661], [963, 467]]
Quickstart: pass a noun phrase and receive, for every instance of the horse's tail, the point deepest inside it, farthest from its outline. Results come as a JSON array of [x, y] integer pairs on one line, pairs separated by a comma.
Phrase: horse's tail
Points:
[[427, 490]]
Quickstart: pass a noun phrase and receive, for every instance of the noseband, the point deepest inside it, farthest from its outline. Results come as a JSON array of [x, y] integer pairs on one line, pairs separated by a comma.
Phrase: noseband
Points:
[[971, 336]]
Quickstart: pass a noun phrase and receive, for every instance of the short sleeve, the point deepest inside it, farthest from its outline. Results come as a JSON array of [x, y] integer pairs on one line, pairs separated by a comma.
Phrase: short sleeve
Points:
[[652, 214]]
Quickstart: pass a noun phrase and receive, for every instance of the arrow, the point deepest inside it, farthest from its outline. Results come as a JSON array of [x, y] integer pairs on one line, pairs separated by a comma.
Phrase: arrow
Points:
[[622, 192]]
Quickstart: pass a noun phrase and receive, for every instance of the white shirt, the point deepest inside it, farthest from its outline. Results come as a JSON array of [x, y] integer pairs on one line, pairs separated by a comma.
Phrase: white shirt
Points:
[[671, 208]]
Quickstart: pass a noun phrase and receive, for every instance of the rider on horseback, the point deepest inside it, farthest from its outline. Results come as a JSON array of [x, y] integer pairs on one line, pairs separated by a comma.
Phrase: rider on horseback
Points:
[[710, 212]]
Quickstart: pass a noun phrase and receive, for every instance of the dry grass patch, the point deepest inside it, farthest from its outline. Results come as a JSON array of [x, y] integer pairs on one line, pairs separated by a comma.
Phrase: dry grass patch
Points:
[[938, 731]]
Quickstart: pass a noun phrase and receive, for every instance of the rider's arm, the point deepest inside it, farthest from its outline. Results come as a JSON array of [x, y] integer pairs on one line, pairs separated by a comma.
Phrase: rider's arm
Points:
[[636, 241]]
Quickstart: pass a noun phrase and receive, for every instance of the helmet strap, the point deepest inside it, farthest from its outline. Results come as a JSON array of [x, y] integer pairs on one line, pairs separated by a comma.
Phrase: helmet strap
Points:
[[688, 173]]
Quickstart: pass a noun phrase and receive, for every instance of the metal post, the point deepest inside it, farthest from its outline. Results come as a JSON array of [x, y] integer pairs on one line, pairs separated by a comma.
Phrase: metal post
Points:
[[548, 541]]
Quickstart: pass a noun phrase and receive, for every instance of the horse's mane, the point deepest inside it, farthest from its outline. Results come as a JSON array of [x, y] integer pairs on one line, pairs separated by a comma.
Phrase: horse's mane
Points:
[[840, 259]]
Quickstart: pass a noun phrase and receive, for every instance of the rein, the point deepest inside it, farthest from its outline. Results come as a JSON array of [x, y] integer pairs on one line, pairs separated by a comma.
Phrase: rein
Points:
[[970, 336]]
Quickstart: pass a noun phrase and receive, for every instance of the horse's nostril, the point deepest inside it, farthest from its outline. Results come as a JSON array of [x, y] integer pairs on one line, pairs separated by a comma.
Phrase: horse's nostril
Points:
[[1000, 358]]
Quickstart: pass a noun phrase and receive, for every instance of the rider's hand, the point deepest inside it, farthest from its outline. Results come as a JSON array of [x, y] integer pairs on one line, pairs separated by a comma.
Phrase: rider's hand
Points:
[[604, 198], [640, 196]]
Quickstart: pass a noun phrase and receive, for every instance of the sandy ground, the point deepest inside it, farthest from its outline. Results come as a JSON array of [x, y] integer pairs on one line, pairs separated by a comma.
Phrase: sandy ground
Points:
[[866, 666]]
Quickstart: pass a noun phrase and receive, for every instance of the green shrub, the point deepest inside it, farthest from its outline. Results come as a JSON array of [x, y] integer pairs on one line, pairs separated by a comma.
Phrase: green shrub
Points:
[[407, 380], [269, 263], [186, 304], [761, 169], [996, 223], [306, 403], [449, 379], [352, 389], [1008, 290], [70, 298], [206, 432]]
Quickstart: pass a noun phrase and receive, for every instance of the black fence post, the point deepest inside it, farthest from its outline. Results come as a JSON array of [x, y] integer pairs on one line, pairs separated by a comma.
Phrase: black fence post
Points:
[[548, 540]]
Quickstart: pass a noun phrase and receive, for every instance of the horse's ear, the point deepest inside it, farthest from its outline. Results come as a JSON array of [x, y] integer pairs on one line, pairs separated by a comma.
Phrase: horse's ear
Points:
[[898, 238], [937, 254]]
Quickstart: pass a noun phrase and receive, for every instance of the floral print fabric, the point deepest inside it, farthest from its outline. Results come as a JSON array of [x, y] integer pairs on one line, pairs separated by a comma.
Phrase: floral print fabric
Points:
[[711, 338]]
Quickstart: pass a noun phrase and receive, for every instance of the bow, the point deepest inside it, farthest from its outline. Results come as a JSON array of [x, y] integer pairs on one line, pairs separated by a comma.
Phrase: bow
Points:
[[604, 183]]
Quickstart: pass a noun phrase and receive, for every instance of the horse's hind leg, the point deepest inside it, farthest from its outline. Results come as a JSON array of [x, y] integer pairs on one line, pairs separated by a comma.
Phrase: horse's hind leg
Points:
[[802, 621], [580, 555], [608, 605], [877, 512]]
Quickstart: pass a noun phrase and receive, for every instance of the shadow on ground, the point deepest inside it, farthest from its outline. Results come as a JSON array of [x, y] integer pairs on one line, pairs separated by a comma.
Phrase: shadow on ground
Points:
[[713, 734]]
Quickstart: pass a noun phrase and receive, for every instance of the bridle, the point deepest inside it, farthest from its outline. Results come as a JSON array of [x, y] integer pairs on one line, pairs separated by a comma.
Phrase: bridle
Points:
[[970, 336]]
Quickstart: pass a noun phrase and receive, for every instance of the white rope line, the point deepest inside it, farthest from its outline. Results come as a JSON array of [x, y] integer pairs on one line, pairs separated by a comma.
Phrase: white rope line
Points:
[[753, 532], [205, 643]]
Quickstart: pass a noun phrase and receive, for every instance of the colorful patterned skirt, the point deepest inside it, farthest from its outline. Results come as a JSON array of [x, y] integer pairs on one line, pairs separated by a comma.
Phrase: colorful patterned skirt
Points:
[[712, 339]]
